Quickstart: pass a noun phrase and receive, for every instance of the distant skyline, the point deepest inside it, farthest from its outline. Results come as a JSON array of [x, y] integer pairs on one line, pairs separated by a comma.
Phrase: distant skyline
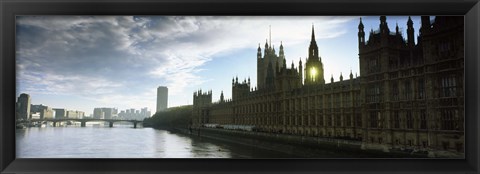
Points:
[[84, 62]]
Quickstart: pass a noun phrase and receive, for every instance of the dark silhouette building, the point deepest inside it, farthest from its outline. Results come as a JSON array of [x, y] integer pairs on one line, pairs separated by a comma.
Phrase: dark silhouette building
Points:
[[162, 98], [409, 96], [23, 107]]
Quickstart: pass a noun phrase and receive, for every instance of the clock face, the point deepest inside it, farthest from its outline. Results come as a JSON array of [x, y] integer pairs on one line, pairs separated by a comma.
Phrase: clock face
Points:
[[313, 73]]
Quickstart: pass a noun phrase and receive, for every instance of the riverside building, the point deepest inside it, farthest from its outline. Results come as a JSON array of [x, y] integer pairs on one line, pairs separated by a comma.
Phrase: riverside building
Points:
[[409, 96]]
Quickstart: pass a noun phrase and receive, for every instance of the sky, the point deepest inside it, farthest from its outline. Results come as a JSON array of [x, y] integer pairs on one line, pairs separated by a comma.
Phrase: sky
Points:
[[84, 62]]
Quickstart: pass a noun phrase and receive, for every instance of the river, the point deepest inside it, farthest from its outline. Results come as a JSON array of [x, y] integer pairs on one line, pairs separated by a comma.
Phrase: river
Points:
[[123, 141]]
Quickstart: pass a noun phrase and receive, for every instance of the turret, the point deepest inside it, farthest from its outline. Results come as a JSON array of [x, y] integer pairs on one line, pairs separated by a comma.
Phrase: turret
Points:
[[341, 76], [361, 34], [397, 32], [265, 51], [351, 75], [221, 97], [259, 52], [410, 32], [281, 54], [300, 70], [383, 25], [331, 79]]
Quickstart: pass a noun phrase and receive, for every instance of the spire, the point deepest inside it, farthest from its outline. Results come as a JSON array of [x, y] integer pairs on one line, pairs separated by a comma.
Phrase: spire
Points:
[[292, 64], [281, 54], [409, 22], [221, 97], [360, 25], [383, 19], [313, 48], [341, 76], [300, 71], [383, 25], [313, 34], [266, 48], [270, 34], [259, 52], [351, 74], [361, 34], [396, 29], [410, 33]]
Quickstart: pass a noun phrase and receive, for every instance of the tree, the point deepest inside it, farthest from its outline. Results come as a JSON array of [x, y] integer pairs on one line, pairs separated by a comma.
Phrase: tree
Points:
[[170, 118]]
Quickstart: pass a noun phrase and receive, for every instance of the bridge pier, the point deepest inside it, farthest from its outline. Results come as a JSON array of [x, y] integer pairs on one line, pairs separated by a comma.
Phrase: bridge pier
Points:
[[83, 124], [110, 124], [134, 124], [54, 124]]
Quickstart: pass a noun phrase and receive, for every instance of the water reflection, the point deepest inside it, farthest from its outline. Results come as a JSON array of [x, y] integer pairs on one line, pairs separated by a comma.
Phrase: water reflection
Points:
[[123, 142]]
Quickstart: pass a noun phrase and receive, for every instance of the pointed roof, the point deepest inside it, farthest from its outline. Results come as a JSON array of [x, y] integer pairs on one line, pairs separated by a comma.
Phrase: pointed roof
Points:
[[409, 20], [270, 34], [360, 25], [313, 34]]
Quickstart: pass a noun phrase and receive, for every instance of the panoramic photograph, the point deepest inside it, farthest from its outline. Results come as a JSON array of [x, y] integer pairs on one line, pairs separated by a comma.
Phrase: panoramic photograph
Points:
[[240, 87]]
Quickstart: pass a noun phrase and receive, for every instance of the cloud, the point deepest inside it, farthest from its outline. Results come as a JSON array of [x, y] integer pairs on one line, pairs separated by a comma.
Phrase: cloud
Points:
[[121, 57]]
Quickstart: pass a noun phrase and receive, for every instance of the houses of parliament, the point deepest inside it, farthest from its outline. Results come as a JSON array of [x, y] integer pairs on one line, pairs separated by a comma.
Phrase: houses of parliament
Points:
[[408, 95]]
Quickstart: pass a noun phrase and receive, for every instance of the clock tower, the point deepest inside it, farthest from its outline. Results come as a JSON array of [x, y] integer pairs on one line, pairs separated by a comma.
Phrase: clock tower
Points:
[[313, 66]]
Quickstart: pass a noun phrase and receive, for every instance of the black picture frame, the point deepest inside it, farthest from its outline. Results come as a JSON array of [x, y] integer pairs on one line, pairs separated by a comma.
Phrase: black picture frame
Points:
[[10, 8]]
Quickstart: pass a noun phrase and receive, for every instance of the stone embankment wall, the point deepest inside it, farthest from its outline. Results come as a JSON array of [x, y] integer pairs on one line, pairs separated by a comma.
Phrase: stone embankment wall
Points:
[[297, 146]]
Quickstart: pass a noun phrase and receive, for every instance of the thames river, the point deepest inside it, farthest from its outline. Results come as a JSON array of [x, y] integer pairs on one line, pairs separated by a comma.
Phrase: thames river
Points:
[[123, 141]]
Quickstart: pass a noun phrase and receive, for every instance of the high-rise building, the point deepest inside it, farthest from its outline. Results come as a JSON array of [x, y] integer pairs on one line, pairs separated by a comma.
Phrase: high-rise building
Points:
[[98, 113], [108, 112], [135, 114], [162, 98], [143, 112], [23, 106], [42, 111], [103, 113], [75, 114], [60, 113]]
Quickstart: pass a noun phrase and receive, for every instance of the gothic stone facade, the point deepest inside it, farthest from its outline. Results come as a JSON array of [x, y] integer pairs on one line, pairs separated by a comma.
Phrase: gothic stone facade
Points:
[[409, 95]]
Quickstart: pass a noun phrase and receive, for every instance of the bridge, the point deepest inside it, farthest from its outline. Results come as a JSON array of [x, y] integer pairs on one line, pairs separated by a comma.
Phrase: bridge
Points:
[[83, 122]]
